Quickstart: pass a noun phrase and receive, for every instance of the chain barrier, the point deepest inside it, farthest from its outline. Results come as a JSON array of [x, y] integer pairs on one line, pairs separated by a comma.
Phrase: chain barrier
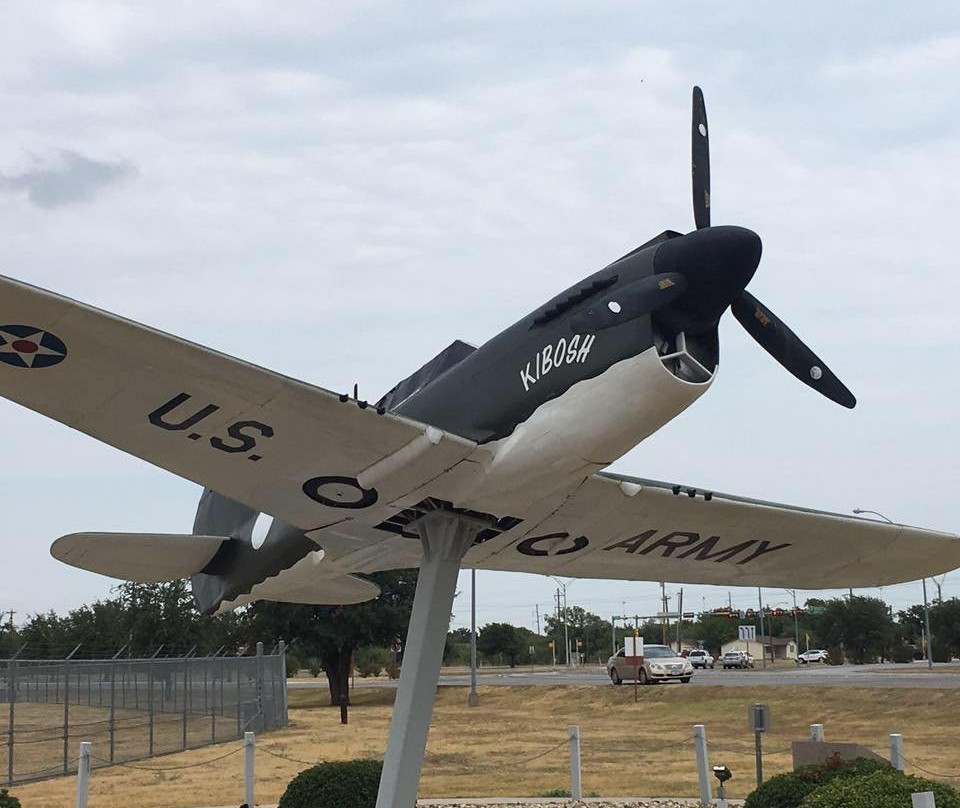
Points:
[[167, 768], [291, 759], [931, 773], [509, 764]]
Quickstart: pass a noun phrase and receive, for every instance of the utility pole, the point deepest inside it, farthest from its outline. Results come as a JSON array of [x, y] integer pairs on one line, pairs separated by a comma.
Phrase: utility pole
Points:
[[663, 620], [763, 652], [680, 623], [538, 619], [796, 623], [11, 613]]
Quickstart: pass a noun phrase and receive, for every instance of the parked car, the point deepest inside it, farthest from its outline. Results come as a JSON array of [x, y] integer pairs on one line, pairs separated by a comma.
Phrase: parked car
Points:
[[700, 658], [814, 655], [660, 663], [737, 659]]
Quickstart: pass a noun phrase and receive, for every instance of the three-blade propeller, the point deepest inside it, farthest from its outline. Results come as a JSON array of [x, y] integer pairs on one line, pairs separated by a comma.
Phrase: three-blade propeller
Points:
[[763, 325]]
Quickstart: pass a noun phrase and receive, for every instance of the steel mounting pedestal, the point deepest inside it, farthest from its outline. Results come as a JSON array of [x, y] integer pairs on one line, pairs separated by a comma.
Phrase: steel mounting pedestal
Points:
[[445, 537]]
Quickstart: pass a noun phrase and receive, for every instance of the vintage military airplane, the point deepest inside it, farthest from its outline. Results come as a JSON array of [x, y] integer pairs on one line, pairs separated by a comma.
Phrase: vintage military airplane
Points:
[[517, 431]]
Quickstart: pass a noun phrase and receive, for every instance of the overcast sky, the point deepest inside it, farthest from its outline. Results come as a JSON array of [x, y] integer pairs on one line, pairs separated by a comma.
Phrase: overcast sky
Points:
[[338, 190]]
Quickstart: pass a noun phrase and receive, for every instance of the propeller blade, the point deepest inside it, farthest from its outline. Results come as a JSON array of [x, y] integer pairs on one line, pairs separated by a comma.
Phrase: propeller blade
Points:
[[636, 299], [700, 161], [786, 347]]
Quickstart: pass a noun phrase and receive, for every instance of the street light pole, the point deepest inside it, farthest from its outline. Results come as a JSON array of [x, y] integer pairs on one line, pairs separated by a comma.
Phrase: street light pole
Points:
[[566, 635], [926, 605], [473, 699]]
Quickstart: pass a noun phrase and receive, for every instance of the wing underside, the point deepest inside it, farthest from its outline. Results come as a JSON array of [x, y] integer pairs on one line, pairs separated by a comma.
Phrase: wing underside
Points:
[[626, 528]]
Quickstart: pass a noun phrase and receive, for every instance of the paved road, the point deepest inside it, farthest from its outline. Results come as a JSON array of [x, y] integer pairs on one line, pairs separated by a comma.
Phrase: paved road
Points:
[[868, 676]]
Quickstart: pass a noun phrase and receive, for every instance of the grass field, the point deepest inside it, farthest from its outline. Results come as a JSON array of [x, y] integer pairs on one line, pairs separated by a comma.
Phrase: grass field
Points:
[[505, 747]]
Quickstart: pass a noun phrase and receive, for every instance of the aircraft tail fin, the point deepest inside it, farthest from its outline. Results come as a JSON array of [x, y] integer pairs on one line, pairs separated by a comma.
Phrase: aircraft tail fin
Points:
[[142, 557]]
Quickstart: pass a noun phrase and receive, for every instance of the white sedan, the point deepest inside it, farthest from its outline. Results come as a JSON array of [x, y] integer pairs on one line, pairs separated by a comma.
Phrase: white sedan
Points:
[[813, 655]]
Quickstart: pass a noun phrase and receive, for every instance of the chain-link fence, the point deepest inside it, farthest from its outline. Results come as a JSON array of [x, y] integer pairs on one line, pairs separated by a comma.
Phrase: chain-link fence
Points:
[[131, 708]]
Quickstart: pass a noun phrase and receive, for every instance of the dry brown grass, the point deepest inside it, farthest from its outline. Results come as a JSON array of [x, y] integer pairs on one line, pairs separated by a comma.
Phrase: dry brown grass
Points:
[[628, 749]]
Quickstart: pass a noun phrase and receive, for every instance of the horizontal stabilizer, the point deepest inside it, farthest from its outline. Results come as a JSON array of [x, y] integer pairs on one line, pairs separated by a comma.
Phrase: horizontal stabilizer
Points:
[[142, 557]]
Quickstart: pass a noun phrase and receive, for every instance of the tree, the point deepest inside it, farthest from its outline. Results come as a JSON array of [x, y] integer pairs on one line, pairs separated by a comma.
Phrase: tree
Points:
[[333, 633], [500, 638], [861, 625], [945, 624]]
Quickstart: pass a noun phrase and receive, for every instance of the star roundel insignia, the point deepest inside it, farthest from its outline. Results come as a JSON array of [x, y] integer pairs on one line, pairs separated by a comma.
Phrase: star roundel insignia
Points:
[[25, 346]]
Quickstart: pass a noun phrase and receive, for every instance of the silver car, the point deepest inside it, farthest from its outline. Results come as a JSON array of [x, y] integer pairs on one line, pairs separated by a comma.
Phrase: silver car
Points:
[[660, 663]]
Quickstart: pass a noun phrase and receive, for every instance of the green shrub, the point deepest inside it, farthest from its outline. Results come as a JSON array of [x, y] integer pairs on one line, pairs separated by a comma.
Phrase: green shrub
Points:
[[790, 789], [314, 666], [834, 656], [343, 784], [881, 789], [393, 670], [6, 801], [901, 653], [293, 665], [370, 661]]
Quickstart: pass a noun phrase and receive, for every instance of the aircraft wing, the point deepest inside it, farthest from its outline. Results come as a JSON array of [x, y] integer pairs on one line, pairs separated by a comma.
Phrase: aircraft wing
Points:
[[274, 443], [633, 529]]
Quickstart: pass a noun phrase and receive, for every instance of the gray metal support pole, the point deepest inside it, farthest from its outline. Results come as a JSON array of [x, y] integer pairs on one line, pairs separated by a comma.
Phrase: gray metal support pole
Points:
[[613, 635], [926, 623], [703, 763], [816, 732], [183, 712], [83, 774], [576, 791], [445, 539], [758, 749], [249, 757], [473, 699], [896, 752], [923, 799]]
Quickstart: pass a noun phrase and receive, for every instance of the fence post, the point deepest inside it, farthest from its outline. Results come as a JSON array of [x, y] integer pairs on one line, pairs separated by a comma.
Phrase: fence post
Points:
[[249, 752], [66, 715], [896, 751], [283, 684], [12, 698], [186, 669], [703, 763], [576, 791], [150, 686], [816, 732], [923, 799], [258, 720], [113, 708], [83, 774]]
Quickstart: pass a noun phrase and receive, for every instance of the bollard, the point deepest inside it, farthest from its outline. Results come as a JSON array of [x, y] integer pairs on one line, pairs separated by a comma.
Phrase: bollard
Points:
[[896, 751], [83, 774], [249, 750], [703, 762], [923, 799], [576, 791], [816, 732]]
